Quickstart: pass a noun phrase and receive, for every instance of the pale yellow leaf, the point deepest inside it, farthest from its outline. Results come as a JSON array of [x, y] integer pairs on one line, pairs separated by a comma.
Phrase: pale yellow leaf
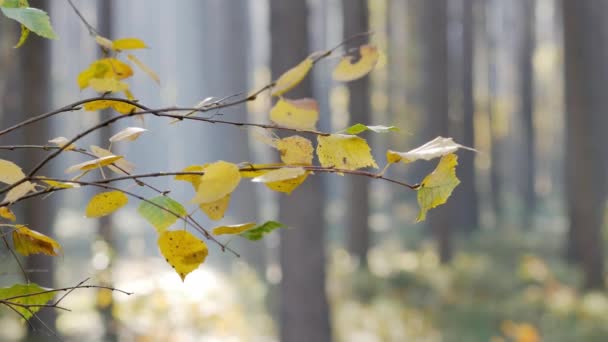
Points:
[[295, 150], [10, 172], [280, 175], [62, 141], [182, 250], [195, 180], [60, 185], [27, 241], [121, 166], [436, 188], [215, 210], [292, 77], [128, 134], [255, 170], [298, 114], [19, 191], [103, 85], [153, 75], [220, 179], [93, 164], [233, 229], [435, 148], [344, 151], [128, 44], [104, 42], [106, 203], [287, 185], [119, 106], [351, 68], [6, 213]]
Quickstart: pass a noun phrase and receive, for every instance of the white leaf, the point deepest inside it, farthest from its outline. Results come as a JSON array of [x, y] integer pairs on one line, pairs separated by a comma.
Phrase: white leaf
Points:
[[129, 134], [94, 164], [19, 191], [122, 166], [10, 172], [435, 148], [62, 141]]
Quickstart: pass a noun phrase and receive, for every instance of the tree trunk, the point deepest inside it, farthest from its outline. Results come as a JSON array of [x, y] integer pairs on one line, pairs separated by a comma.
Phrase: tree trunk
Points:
[[526, 88], [356, 20], [586, 72], [435, 102], [38, 214], [304, 308]]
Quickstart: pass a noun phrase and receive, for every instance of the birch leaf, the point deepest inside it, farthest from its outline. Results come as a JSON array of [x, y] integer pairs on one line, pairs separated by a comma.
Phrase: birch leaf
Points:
[[360, 128], [436, 188], [220, 179], [6, 213], [10, 172], [195, 180], [119, 106], [233, 229], [103, 85], [280, 175], [27, 241], [344, 152], [258, 232], [19, 191], [215, 210], [93, 164], [288, 185], [122, 167], [295, 150], [435, 148], [182, 250], [159, 218], [297, 114], [128, 44], [62, 141], [292, 77], [351, 68], [34, 19], [128, 134], [146, 69], [106, 203], [26, 294]]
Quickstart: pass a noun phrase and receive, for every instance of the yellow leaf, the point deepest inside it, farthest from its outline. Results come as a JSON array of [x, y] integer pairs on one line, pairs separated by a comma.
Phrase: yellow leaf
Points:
[[153, 75], [298, 114], [25, 32], [93, 164], [106, 203], [344, 151], [10, 172], [122, 165], [215, 210], [436, 188], [182, 250], [104, 68], [280, 175], [292, 77], [119, 106], [128, 44], [104, 42], [255, 170], [233, 229], [220, 179], [6, 213], [287, 185], [27, 241], [60, 185], [195, 180], [19, 191], [128, 134], [295, 150], [351, 68], [103, 85], [62, 141]]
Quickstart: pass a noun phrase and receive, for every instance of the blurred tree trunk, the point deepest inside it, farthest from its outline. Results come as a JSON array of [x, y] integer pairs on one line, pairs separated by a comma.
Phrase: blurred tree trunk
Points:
[[526, 89], [356, 20], [38, 214], [304, 308], [105, 302], [464, 205], [227, 70], [435, 101], [586, 72]]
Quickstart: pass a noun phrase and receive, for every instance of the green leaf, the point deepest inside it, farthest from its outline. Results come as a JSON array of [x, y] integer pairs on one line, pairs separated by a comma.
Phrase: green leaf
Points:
[[18, 294], [159, 218], [360, 128], [257, 233], [34, 19]]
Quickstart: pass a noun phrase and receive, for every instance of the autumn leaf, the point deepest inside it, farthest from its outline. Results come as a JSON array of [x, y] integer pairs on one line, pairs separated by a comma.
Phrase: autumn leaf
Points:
[[436, 188], [25, 33], [6, 213], [62, 141], [106, 203], [27, 298], [288, 185], [295, 150], [103, 85], [128, 44], [257, 233], [219, 180], [146, 69], [344, 152], [351, 68], [283, 180], [128, 134], [292, 77], [195, 180], [120, 166], [297, 114], [60, 185], [104, 42], [233, 229], [106, 68], [19, 191], [182, 250], [93, 164], [215, 210], [10, 172], [435, 148], [119, 106], [360, 128], [255, 170], [159, 218], [27, 241]]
